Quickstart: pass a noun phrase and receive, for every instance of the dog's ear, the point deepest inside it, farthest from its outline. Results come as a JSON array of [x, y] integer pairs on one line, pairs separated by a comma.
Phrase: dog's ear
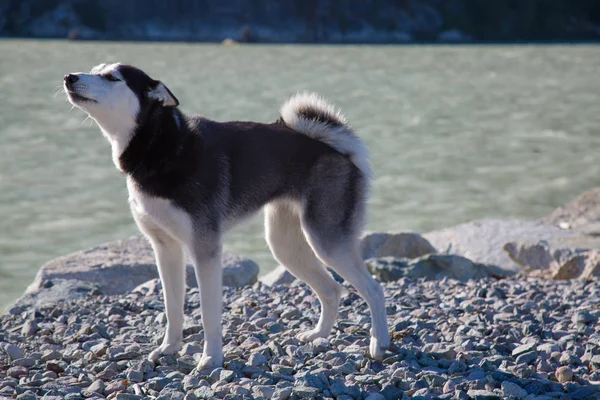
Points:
[[162, 93]]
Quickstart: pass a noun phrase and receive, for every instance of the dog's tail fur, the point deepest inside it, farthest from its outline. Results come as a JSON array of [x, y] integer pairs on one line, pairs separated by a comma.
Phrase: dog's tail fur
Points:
[[310, 114]]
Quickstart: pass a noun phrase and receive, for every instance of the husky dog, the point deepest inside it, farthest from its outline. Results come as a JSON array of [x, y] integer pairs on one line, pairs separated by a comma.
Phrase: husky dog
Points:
[[190, 179]]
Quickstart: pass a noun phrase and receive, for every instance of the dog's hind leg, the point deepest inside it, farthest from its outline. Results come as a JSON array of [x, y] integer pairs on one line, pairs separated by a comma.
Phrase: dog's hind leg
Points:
[[289, 247], [171, 269], [341, 253]]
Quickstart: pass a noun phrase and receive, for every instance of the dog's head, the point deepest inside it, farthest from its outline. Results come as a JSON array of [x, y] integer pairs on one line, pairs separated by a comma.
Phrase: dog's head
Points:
[[116, 95]]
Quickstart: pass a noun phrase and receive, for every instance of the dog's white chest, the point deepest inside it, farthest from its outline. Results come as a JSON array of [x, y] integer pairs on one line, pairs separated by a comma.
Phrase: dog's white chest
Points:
[[156, 212]]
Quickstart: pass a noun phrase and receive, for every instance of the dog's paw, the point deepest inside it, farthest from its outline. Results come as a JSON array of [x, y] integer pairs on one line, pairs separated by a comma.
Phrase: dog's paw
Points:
[[377, 347], [208, 362], [164, 350], [311, 335]]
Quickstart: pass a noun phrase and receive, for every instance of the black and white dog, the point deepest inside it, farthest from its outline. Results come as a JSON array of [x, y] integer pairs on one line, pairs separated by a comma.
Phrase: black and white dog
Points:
[[190, 179]]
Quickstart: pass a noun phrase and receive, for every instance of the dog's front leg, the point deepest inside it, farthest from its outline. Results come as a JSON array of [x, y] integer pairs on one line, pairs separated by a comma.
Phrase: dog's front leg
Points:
[[206, 255], [171, 269]]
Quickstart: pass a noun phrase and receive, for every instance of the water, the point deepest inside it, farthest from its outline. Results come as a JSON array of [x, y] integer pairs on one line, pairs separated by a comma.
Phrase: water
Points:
[[455, 133]]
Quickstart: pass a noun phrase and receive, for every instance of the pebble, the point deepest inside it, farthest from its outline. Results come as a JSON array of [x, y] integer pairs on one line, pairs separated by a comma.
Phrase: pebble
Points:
[[451, 340], [13, 351], [564, 374], [510, 389]]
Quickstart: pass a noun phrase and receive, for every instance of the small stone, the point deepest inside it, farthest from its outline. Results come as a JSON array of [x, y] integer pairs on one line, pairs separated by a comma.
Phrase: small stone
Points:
[[449, 386], [17, 372], [582, 317], [564, 374], [24, 362], [375, 396], [55, 366], [264, 391], [128, 396], [257, 359], [510, 389], [28, 395], [204, 392], [96, 387], [523, 349], [158, 384], [305, 392], [13, 351], [321, 345], [115, 386], [189, 349], [29, 328], [282, 394], [483, 395], [50, 355], [135, 376], [526, 358]]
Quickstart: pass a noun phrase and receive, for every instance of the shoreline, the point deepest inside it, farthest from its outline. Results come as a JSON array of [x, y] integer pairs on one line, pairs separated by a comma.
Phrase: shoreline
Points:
[[484, 310]]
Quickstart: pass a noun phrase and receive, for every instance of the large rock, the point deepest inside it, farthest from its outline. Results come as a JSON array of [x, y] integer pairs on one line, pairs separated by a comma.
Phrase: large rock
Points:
[[399, 245], [482, 241], [279, 276], [118, 267], [557, 258], [54, 291], [432, 266], [581, 214]]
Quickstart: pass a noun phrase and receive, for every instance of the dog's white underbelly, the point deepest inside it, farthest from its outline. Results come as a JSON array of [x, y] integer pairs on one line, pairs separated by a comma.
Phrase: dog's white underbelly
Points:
[[152, 212]]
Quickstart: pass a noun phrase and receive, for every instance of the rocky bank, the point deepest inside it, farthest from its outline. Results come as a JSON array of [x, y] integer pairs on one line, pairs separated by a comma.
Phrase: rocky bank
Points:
[[304, 21], [490, 309]]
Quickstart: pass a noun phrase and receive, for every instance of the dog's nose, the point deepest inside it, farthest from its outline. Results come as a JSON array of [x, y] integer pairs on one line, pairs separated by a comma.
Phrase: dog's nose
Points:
[[71, 79]]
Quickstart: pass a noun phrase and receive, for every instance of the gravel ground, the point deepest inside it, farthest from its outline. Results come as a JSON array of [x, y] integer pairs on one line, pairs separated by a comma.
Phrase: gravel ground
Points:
[[489, 339]]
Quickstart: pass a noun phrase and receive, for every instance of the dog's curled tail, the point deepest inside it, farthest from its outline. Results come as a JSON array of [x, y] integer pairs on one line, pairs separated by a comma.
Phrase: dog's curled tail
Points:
[[310, 114]]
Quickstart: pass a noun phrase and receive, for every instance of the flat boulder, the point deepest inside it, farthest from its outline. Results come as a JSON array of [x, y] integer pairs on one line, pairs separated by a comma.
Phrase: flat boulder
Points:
[[482, 241], [118, 267], [399, 245], [432, 266]]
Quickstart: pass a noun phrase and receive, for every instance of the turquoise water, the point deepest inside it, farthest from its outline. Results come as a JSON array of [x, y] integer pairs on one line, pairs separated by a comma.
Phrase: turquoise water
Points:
[[455, 132]]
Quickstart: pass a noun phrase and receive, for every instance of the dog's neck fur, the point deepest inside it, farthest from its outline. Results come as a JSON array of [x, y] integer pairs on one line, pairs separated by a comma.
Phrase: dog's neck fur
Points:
[[157, 148]]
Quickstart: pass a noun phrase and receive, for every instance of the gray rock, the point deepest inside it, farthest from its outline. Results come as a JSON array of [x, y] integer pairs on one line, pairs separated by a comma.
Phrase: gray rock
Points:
[[433, 266], [375, 396], [526, 358], [264, 391], [524, 348], [96, 387], [28, 395], [278, 276], [29, 328], [482, 241], [135, 376], [25, 362], [565, 257], [257, 359], [397, 245], [483, 395], [581, 214], [13, 351], [115, 386], [128, 396], [510, 389], [16, 372], [305, 392], [282, 394], [115, 268]]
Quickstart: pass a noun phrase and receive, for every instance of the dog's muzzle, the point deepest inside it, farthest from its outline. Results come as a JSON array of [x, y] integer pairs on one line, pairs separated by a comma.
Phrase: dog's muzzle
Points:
[[70, 79]]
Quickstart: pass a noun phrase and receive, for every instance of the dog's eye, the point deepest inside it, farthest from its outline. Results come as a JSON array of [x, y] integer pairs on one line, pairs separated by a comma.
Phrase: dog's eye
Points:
[[111, 78]]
